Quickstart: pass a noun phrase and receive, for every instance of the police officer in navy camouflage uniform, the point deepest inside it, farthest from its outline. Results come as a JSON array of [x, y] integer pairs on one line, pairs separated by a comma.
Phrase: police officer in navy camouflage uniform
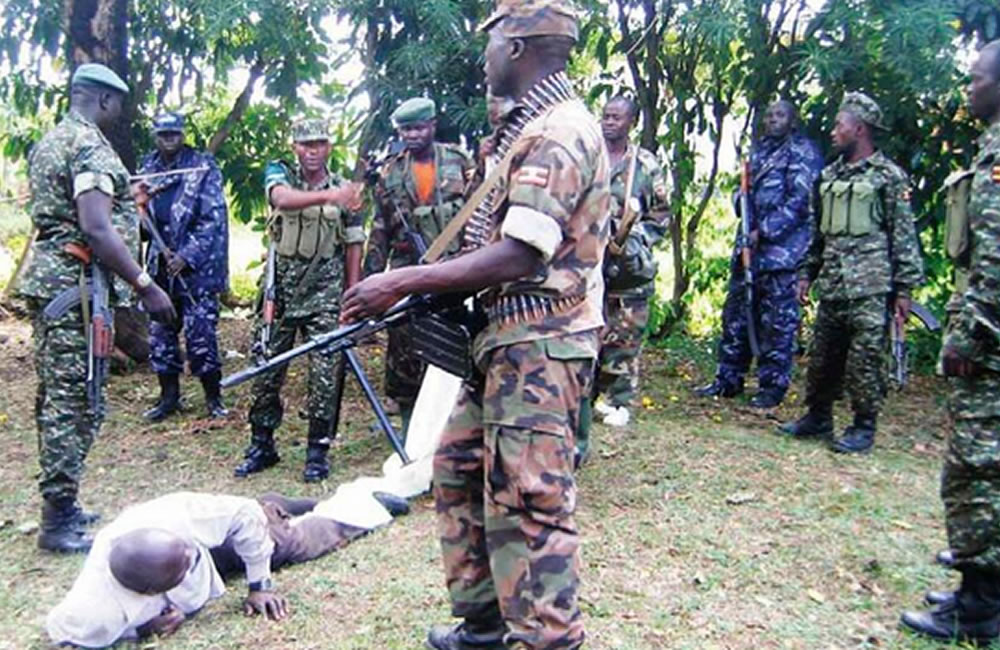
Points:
[[189, 211], [784, 166]]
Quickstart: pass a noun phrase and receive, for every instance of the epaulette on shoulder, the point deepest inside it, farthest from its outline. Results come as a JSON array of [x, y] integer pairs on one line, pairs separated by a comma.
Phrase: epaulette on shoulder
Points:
[[456, 149]]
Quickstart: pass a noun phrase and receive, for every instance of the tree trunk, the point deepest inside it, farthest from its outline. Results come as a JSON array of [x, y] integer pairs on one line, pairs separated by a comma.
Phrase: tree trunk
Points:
[[98, 33]]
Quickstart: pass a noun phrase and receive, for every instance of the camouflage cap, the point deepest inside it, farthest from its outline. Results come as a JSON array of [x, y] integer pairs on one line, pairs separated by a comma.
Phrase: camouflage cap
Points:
[[522, 18], [310, 129], [864, 108], [415, 109], [95, 73], [168, 123]]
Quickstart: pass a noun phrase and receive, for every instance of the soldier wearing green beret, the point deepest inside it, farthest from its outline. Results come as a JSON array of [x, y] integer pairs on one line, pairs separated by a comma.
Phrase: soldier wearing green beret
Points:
[[418, 192], [865, 260], [82, 208], [316, 229]]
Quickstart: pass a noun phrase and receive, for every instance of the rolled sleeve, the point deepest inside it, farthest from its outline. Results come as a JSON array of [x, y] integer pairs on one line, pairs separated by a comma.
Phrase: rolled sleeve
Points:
[[538, 230], [275, 174], [89, 180]]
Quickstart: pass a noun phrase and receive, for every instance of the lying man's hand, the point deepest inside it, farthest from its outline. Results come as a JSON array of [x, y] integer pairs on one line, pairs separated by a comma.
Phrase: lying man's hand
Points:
[[270, 603]]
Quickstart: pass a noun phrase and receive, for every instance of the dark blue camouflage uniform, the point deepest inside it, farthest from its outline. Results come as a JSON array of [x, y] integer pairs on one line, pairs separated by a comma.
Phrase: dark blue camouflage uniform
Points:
[[190, 213], [783, 174]]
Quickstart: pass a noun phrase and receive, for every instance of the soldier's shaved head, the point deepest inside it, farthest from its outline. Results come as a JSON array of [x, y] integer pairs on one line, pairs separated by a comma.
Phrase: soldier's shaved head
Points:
[[98, 103], [150, 560], [984, 84]]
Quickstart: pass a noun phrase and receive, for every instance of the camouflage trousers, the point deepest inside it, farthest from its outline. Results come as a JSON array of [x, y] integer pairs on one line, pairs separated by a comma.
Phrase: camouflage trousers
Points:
[[403, 371], [970, 479], [505, 493], [324, 373], [848, 347], [621, 345], [777, 321], [67, 425], [198, 317]]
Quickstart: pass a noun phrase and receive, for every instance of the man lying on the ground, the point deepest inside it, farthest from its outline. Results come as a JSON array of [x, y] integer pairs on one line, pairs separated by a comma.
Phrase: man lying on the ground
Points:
[[161, 561]]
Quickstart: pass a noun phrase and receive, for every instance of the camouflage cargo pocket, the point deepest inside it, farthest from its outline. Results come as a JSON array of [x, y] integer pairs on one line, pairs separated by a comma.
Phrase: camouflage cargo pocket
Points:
[[531, 471]]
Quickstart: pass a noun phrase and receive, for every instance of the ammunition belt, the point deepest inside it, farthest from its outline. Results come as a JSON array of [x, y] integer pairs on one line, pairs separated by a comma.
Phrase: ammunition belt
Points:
[[519, 308]]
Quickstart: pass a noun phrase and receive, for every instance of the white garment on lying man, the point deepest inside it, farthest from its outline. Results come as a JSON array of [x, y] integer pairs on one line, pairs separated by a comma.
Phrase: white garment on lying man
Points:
[[98, 610]]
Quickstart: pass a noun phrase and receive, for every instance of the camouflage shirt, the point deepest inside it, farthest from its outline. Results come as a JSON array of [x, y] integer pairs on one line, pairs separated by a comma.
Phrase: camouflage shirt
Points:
[[974, 330], [73, 158], [557, 202], [650, 187], [388, 244], [885, 260], [294, 299]]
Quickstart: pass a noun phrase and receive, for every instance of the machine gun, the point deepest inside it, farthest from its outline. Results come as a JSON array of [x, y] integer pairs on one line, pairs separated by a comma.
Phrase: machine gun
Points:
[[268, 298]]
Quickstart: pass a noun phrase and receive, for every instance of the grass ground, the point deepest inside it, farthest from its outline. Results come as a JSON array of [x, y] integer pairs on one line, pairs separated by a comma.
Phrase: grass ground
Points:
[[701, 528]]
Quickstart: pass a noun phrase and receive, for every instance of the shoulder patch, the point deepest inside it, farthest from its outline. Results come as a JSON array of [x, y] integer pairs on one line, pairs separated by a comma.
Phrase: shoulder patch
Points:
[[995, 173], [530, 175]]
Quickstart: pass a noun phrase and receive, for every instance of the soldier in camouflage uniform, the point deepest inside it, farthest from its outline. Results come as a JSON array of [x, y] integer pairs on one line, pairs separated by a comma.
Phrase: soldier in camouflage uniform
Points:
[[626, 301], [970, 358], [503, 472], [418, 192], [80, 198], [784, 166], [189, 212], [318, 235], [863, 257]]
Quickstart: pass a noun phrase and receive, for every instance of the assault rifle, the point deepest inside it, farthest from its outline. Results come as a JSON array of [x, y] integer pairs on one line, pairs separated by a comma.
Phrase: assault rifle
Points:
[[263, 341], [746, 256], [897, 335], [98, 320]]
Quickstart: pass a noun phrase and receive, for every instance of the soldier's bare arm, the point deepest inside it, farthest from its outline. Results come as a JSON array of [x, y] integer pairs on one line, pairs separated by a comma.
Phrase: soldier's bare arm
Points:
[[504, 261], [94, 208], [346, 196]]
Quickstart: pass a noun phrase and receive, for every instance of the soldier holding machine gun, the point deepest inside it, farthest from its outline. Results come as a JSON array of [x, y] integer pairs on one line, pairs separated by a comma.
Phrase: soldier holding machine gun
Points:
[[316, 234], [186, 218], [88, 239]]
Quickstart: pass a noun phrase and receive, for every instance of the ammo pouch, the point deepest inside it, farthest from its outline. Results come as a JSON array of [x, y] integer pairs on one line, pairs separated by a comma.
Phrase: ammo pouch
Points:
[[957, 189], [849, 208], [314, 231], [634, 267]]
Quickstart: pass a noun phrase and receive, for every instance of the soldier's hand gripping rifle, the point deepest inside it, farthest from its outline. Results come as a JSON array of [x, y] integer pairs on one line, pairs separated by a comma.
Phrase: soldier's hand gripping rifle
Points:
[[897, 334], [746, 256], [268, 306], [92, 297]]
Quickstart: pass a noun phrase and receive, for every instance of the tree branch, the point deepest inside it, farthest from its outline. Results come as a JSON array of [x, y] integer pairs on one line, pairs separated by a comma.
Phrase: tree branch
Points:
[[238, 109]]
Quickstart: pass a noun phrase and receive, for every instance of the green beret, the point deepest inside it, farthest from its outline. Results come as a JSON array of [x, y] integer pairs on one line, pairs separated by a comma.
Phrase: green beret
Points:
[[95, 73], [524, 18], [416, 109], [310, 130], [864, 108]]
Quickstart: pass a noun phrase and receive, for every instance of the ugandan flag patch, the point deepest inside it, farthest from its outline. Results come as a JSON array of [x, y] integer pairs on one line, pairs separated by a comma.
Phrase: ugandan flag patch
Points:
[[995, 173], [530, 175]]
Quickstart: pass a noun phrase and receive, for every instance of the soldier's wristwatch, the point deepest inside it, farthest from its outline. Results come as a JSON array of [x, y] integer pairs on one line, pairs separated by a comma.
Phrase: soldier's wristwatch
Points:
[[142, 281], [260, 585]]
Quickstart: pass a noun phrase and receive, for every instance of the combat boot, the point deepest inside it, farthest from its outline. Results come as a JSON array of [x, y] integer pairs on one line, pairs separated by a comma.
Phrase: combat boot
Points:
[[213, 394], [317, 466], [82, 517], [259, 455], [719, 388], [60, 531], [170, 399], [945, 557], [858, 438], [817, 422], [973, 614], [767, 398], [468, 635]]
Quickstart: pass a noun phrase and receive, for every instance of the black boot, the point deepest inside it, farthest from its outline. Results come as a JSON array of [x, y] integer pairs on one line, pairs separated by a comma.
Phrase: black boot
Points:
[[213, 394], [60, 532], [170, 399], [939, 597], [945, 557], [972, 615], [817, 422], [767, 398], [82, 517], [259, 455], [395, 506], [468, 635], [719, 388], [317, 467], [858, 438]]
